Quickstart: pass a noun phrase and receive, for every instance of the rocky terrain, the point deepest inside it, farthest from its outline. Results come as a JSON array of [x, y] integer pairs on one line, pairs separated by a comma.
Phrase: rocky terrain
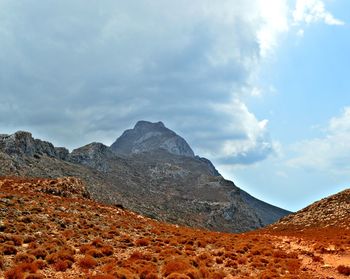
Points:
[[150, 170], [333, 211], [49, 228], [320, 234]]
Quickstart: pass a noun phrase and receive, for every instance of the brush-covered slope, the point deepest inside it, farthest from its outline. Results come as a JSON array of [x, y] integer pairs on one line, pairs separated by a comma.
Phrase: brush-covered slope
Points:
[[59, 233]]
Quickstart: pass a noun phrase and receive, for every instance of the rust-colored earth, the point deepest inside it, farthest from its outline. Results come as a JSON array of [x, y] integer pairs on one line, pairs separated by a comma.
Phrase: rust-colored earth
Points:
[[50, 229]]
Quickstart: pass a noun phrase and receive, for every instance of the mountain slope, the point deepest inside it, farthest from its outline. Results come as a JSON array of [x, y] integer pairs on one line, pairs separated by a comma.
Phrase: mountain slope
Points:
[[156, 182]]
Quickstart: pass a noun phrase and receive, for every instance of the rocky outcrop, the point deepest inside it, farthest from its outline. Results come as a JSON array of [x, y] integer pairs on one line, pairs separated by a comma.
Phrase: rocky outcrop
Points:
[[147, 136], [94, 155], [22, 143]]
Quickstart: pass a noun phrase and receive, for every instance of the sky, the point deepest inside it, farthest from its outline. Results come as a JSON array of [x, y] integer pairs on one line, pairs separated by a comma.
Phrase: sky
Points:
[[259, 87]]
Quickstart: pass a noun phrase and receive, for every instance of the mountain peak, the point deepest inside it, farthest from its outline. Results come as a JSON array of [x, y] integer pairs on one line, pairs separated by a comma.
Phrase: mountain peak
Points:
[[147, 136], [142, 124]]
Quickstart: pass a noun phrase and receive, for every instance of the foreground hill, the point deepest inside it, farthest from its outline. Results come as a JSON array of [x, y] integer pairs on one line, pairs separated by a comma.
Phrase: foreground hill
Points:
[[333, 211], [49, 228], [320, 234], [150, 170]]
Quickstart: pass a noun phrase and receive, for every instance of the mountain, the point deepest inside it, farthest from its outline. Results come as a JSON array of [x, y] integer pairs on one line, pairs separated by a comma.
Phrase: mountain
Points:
[[147, 137], [150, 170]]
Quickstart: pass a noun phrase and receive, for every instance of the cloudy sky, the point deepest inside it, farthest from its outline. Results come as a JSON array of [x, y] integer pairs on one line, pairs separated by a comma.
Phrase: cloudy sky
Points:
[[259, 87]]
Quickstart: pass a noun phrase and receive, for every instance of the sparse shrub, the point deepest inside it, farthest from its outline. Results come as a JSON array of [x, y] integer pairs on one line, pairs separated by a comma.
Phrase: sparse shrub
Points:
[[41, 264], [8, 250], [95, 253], [24, 258], [107, 250], [345, 270], [14, 273], [102, 276], [28, 267], [62, 265], [317, 259], [109, 267], [123, 273], [178, 276], [86, 247], [34, 276], [293, 265], [242, 260], [279, 254], [39, 253], [17, 240], [63, 254], [18, 272], [142, 242], [218, 275], [87, 262], [97, 242], [176, 265], [201, 244]]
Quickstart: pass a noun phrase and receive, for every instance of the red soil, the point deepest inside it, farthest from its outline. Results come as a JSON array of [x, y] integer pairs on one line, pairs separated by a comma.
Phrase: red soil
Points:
[[68, 236]]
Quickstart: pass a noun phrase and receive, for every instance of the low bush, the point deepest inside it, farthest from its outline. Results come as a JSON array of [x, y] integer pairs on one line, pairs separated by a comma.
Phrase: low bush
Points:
[[345, 270], [87, 262], [24, 258], [178, 265]]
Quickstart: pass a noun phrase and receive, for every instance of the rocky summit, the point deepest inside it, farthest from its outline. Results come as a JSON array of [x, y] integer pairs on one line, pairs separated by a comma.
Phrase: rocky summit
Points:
[[147, 136], [150, 170]]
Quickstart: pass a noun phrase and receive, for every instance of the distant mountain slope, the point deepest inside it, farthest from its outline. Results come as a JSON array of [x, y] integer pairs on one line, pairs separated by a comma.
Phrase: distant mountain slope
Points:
[[168, 183]]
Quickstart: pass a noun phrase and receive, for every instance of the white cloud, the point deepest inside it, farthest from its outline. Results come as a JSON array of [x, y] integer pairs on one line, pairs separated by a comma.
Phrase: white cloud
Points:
[[96, 69], [312, 11], [330, 153], [244, 138], [300, 33], [117, 62], [274, 16]]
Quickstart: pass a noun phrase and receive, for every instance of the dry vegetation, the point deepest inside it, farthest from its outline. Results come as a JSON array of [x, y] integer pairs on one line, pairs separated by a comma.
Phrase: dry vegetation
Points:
[[47, 234]]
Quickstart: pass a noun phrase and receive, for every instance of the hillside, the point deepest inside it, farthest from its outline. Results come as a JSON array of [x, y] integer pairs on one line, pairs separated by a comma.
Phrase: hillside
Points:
[[333, 211], [150, 170], [320, 233], [50, 228]]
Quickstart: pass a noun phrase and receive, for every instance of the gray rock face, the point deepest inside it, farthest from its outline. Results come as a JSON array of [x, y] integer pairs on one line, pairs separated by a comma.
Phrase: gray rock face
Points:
[[147, 136], [94, 155], [22, 143]]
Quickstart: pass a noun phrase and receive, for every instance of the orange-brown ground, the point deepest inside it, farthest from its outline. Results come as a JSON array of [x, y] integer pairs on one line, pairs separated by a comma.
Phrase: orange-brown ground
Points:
[[47, 232]]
